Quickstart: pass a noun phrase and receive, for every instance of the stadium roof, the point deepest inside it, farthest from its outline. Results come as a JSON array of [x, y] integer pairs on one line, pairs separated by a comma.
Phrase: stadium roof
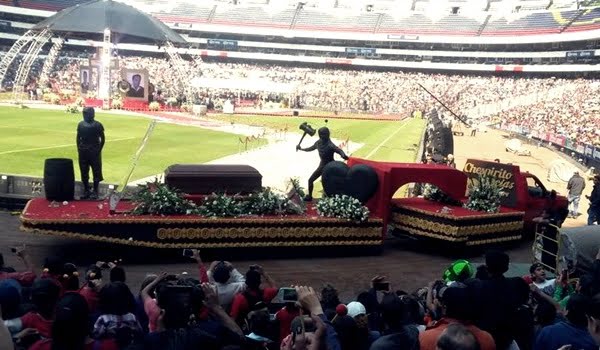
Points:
[[126, 23]]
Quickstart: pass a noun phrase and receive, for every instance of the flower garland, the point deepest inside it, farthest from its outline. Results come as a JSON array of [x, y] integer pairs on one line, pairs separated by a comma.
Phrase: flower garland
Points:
[[158, 199], [268, 202], [435, 194], [343, 207], [123, 86], [221, 205]]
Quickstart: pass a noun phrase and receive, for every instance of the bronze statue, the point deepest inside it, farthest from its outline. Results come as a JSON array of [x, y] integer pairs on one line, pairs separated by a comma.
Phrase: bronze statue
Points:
[[326, 150], [90, 141]]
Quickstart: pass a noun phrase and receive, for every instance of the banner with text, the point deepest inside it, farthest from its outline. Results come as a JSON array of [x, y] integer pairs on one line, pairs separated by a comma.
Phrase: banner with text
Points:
[[502, 174]]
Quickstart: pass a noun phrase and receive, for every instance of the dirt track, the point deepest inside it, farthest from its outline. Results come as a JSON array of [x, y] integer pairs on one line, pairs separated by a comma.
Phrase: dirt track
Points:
[[490, 145]]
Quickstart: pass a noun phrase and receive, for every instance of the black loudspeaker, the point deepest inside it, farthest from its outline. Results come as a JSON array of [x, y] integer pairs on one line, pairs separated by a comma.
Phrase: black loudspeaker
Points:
[[296, 113], [59, 179], [448, 139]]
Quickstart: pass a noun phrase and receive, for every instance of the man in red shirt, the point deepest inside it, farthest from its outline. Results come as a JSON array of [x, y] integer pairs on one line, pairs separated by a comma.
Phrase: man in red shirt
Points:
[[44, 295], [243, 302], [455, 309]]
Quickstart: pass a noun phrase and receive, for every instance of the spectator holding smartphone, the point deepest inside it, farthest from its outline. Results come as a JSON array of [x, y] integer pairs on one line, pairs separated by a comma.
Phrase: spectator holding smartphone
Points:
[[245, 301], [24, 278], [227, 280]]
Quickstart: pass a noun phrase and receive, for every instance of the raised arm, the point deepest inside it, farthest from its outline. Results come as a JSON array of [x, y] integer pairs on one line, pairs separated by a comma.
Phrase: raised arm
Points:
[[309, 149], [268, 281], [145, 293], [201, 267], [211, 301]]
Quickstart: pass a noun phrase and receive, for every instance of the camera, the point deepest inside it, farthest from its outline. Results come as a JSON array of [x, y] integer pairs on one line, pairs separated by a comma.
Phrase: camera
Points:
[[188, 253]]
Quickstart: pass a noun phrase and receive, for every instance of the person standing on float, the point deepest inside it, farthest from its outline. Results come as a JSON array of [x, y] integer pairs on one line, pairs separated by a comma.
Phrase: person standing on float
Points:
[[90, 141], [326, 150]]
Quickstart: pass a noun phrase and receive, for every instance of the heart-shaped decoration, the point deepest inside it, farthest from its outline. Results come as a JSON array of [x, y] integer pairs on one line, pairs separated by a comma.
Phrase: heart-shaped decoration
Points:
[[334, 178], [359, 182]]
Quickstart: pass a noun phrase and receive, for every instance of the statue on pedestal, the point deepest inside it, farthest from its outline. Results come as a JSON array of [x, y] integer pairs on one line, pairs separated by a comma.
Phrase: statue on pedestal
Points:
[[90, 141], [326, 150]]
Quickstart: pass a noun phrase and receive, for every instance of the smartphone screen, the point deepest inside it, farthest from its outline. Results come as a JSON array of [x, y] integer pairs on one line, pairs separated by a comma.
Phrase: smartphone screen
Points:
[[289, 295]]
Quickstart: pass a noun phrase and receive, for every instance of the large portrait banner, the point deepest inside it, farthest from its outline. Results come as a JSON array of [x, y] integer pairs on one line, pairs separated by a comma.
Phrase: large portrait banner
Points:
[[135, 84]]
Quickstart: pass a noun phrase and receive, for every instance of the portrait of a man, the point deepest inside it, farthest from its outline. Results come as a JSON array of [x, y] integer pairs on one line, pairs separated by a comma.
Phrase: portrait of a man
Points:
[[137, 88], [85, 80]]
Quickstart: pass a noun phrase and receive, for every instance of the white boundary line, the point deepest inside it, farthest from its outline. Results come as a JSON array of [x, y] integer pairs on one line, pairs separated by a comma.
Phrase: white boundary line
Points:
[[386, 140], [59, 146]]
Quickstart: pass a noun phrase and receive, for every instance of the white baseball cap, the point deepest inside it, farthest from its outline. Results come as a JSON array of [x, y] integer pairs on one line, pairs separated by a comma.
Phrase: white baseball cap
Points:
[[355, 308]]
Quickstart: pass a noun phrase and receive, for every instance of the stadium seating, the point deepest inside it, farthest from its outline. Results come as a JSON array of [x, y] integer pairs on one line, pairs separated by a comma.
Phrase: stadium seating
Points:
[[352, 21], [505, 18], [254, 15], [588, 20]]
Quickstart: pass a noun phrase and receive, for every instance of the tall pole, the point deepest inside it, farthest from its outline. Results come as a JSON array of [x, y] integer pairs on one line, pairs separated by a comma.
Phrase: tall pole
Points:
[[105, 63]]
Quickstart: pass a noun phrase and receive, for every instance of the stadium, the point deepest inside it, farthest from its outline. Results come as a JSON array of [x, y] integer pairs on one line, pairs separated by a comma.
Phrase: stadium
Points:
[[439, 130]]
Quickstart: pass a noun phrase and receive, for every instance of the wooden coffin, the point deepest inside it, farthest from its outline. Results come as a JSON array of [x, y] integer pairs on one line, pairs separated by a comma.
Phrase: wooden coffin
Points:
[[213, 178]]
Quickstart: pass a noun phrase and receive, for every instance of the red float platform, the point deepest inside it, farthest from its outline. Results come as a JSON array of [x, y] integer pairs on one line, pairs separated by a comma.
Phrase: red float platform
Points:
[[92, 221], [426, 219]]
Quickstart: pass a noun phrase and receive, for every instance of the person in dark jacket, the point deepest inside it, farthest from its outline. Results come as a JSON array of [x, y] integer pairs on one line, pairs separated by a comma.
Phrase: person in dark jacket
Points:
[[594, 210], [499, 301], [576, 185]]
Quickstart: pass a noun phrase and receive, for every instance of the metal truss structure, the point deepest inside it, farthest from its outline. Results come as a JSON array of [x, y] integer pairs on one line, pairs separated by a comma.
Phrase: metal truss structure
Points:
[[14, 51], [50, 60], [182, 74], [32, 53], [105, 90]]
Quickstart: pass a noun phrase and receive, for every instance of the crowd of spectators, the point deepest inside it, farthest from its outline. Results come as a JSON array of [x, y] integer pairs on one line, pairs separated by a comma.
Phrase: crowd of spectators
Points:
[[573, 112], [575, 115], [222, 308]]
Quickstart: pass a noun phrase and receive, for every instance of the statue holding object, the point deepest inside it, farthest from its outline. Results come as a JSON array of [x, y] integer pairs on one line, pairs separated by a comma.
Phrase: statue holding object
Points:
[[90, 141], [326, 149]]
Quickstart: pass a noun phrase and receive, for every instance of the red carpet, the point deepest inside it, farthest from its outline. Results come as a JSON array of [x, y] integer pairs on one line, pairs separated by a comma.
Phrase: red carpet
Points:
[[436, 207], [41, 210]]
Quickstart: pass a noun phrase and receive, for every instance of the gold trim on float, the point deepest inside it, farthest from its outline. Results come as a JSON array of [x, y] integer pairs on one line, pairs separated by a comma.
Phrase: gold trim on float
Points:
[[463, 239], [193, 219], [205, 233], [452, 217], [453, 230], [201, 245]]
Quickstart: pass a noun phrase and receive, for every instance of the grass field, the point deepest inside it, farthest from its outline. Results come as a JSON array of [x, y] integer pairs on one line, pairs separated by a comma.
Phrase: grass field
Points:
[[400, 147], [28, 136]]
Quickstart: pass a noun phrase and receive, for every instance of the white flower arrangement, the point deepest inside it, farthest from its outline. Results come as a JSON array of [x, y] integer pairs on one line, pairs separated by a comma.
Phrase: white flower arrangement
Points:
[[72, 108], [268, 202], [484, 195], [117, 103], [154, 106], [221, 205], [343, 207]]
